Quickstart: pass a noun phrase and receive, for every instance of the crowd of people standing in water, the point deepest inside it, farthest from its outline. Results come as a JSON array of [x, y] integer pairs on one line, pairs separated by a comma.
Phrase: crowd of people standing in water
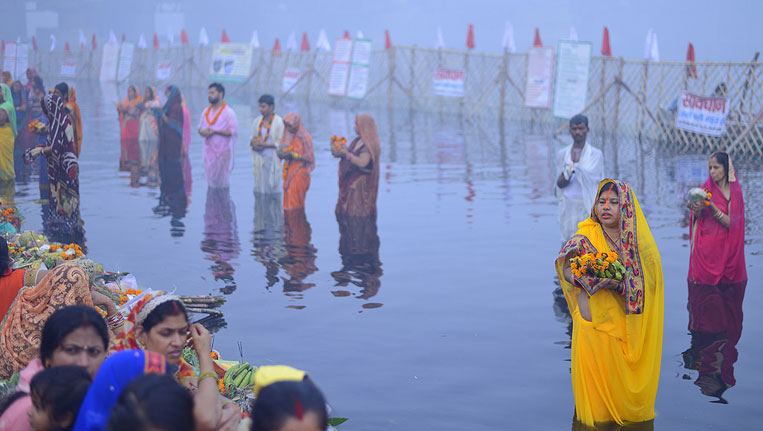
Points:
[[617, 326], [79, 371]]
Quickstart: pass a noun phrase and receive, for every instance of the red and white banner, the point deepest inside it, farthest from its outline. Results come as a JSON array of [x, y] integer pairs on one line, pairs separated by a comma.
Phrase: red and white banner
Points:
[[290, 77], [702, 114], [163, 70], [340, 67], [540, 77], [449, 82]]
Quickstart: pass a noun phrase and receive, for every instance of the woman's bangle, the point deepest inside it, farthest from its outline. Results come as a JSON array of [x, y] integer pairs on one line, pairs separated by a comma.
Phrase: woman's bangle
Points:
[[206, 374], [718, 215], [115, 321]]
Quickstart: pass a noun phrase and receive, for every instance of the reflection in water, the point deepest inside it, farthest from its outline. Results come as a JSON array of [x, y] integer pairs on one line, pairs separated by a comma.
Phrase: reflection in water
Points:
[[221, 236], [173, 200], [267, 238], [715, 325], [639, 426], [359, 248], [299, 259], [562, 312]]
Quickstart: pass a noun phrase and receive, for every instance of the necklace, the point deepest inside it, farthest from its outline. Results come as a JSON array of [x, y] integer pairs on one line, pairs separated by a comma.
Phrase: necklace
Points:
[[214, 120], [611, 242], [267, 128]]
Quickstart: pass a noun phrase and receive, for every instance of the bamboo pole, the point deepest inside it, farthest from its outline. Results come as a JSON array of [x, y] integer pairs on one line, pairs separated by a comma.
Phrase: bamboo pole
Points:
[[602, 111], [412, 73], [391, 61], [757, 119], [502, 80], [617, 98]]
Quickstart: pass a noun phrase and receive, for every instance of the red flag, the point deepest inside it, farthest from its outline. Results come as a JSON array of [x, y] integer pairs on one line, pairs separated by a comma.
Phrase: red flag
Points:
[[537, 42], [34, 43], [67, 49], [470, 37], [305, 43], [346, 35], [224, 38], [605, 48], [387, 41], [124, 38], [277, 48], [95, 45], [184, 37], [156, 41], [691, 70]]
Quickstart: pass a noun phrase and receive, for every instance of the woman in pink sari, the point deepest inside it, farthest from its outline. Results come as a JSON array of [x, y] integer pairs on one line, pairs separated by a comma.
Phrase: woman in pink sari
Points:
[[129, 132], [717, 273]]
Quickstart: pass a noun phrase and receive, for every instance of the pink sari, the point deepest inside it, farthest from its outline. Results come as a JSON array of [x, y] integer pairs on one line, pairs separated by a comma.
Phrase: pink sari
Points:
[[717, 253]]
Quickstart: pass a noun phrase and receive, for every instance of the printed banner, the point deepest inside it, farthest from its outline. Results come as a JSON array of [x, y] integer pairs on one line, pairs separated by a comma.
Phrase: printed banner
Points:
[[125, 61], [359, 69], [109, 62], [231, 62], [571, 83], [702, 114], [163, 70], [68, 68], [9, 57], [340, 67], [290, 77], [449, 82], [540, 77]]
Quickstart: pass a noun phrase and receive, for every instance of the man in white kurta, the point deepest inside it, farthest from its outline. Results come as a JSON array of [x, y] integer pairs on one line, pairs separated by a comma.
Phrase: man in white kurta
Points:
[[267, 131], [581, 167]]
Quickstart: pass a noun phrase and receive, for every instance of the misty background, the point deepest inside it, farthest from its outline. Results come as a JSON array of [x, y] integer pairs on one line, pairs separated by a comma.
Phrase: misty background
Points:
[[720, 31]]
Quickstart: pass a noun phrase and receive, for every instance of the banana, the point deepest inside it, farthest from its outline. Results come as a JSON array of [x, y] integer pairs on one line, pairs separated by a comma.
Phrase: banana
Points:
[[245, 380], [251, 379], [231, 373], [239, 379]]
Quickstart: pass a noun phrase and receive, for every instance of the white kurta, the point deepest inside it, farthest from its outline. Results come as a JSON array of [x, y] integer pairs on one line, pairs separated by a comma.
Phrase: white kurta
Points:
[[267, 165], [576, 200]]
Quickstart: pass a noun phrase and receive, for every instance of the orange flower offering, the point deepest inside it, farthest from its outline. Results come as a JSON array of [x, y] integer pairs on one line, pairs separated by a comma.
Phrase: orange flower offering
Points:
[[35, 126], [67, 252], [600, 265], [221, 386], [127, 294], [338, 142]]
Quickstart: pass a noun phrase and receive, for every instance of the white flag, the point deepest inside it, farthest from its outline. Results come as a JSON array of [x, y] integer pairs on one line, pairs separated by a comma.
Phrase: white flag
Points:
[[82, 40], [573, 34], [255, 42], [508, 38], [651, 50], [112, 37], [170, 36], [323, 42], [52, 42], [291, 43], [142, 42], [360, 34], [18, 40], [203, 37], [439, 41]]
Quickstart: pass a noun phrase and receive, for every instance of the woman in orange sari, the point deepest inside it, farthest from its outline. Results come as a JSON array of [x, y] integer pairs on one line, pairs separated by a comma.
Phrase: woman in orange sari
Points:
[[359, 170], [296, 150], [129, 131], [73, 109]]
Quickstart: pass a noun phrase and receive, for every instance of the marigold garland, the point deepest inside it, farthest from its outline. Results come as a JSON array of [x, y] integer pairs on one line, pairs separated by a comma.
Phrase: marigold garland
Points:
[[267, 128], [214, 120], [601, 265], [338, 142]]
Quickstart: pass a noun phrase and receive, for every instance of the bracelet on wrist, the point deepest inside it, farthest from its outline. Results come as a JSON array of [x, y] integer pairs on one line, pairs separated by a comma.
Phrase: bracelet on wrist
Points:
[[206, 374]]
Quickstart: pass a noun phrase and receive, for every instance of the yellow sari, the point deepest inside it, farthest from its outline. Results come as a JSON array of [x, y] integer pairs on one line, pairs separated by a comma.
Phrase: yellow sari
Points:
[[616, 356]]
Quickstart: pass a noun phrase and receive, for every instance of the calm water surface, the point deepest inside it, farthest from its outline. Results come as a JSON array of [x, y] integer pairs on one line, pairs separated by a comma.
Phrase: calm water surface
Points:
[[442, 315]]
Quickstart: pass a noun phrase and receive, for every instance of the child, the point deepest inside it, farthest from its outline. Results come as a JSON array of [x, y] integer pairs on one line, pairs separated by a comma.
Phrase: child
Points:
[[152, 402], [289, 405], [56, 397]]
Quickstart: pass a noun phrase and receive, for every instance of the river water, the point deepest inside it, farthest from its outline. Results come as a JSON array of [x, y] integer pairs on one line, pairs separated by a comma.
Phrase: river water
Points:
[[442, 315]]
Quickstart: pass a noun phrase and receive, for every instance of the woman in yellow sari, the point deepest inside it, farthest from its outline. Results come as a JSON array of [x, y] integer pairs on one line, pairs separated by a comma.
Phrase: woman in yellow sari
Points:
[[8, 134], [617, 326]]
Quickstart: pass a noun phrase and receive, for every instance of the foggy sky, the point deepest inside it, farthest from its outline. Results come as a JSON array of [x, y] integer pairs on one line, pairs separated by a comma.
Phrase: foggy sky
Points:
[[720, 31]]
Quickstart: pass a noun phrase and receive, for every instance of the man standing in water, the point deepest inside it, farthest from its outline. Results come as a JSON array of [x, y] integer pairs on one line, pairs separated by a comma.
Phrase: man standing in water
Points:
[[580, 168], [218, 126], [267, 131]]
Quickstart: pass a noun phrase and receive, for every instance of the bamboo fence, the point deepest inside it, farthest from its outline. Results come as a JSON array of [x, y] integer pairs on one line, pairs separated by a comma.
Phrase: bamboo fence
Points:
[[626, 99]]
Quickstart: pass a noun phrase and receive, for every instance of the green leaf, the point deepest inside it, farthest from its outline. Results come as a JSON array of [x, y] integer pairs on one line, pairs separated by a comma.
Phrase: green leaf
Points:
[[337, 421]]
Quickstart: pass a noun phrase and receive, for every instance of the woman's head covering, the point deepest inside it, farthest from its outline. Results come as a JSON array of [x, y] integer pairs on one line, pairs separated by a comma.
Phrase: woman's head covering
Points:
[[60, 128], [140, 311], [8, 107], [173, 100], [369, 134], [116, 372], [269, 374], [7, 78], [298, 140]]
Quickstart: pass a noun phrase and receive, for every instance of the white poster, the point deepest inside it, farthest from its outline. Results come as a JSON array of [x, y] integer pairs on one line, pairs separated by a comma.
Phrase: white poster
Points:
[[22, 62], [125, 61], [9, 57], [359, 69], [571, 84], [68, 68], [449, 82], [290, 77], [338, 123], [702, 114], [231, 62], [163, 70], [109, 62], [540, 77], [340, 67]]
